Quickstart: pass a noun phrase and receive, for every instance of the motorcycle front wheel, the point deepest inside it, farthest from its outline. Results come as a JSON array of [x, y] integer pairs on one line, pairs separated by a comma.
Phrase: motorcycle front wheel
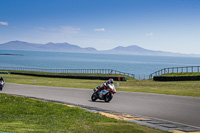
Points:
[[108, 97], [94, 97]]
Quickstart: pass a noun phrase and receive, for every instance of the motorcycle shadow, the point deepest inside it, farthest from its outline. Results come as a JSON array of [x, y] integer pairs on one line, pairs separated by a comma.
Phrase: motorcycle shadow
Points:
[[97, 101]]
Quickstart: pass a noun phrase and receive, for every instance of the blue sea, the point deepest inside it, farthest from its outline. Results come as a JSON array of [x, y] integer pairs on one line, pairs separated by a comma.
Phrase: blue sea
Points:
[[135, 64]]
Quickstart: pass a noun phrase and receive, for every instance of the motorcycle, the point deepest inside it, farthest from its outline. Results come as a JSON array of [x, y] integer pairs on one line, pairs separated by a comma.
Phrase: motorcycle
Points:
[[106, 94], [2, 83]]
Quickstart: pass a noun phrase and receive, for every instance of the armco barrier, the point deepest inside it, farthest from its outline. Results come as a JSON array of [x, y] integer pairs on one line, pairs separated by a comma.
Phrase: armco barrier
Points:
[[176, 78], [116, 78], [186, 69]]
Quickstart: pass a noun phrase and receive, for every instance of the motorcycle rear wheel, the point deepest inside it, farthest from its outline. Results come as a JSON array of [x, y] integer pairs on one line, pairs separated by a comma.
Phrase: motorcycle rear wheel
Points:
[[94, 97]]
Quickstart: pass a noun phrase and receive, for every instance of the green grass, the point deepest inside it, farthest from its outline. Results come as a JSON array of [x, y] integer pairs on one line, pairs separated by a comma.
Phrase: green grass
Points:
[[183, 74], [21, 114], [182, 88]]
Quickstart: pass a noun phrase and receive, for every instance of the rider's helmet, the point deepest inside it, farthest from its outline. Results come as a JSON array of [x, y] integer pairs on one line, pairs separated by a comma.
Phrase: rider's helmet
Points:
[[110, 81], [1, 78]]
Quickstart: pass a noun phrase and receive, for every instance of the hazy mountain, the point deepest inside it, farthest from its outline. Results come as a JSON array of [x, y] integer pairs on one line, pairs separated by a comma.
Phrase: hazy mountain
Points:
[[18, 45], [66, 47], [59, 47], [136, 50]]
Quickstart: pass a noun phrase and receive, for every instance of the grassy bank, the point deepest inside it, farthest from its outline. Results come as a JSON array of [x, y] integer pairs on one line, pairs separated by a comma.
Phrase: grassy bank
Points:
[[183, 74], [20, 114], [182, 88]]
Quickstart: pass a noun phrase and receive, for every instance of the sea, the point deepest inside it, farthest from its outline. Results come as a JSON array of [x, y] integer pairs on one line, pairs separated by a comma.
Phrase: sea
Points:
[[139, 65]]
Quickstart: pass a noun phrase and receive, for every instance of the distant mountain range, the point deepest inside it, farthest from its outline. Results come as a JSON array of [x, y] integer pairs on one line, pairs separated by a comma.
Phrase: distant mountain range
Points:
[[66, 47], [59, 47]]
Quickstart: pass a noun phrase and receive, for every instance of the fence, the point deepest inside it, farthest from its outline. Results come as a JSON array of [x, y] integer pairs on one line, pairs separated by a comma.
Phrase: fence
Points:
[[175, 70], [141, 76], [89, 71], [109, 71]]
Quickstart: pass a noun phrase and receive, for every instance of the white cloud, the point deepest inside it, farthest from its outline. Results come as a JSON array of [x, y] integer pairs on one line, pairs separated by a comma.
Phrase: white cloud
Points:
[[41, 29], [57, 34], [70, 30], [150, 35], [4, 23], [67, 30], [100, 29]]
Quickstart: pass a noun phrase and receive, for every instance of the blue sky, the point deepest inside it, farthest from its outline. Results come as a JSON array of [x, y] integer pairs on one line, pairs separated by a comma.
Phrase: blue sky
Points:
[[166, 25]]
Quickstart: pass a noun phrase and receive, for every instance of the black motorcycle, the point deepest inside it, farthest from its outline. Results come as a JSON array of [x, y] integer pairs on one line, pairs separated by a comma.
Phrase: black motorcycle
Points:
[[2, 83]]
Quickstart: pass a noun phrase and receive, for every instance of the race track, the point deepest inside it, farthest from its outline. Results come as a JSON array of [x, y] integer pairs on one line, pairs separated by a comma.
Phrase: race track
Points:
[[180, 109]]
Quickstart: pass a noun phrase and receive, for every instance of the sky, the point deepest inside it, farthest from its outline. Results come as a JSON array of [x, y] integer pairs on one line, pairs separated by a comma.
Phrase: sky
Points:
[[165, 25]]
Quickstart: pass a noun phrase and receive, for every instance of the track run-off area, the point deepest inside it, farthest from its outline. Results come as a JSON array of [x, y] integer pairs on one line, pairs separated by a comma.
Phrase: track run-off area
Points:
[[181, 110]]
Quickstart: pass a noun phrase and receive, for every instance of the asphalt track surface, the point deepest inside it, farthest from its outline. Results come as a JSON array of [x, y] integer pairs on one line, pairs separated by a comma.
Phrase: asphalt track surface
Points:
[[180, 109]]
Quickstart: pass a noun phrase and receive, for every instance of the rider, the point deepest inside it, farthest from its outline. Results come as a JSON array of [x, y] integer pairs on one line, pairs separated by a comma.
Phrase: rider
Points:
[[1, 79], [105, 84]]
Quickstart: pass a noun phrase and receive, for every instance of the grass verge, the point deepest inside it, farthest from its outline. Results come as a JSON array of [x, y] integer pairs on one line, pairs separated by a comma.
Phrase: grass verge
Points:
[[183, 74], [21, 114]]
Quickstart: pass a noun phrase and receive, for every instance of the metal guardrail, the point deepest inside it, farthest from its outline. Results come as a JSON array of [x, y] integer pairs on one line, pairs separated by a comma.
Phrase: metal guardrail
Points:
[[89, 71], [141, 76], [175, 70]]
